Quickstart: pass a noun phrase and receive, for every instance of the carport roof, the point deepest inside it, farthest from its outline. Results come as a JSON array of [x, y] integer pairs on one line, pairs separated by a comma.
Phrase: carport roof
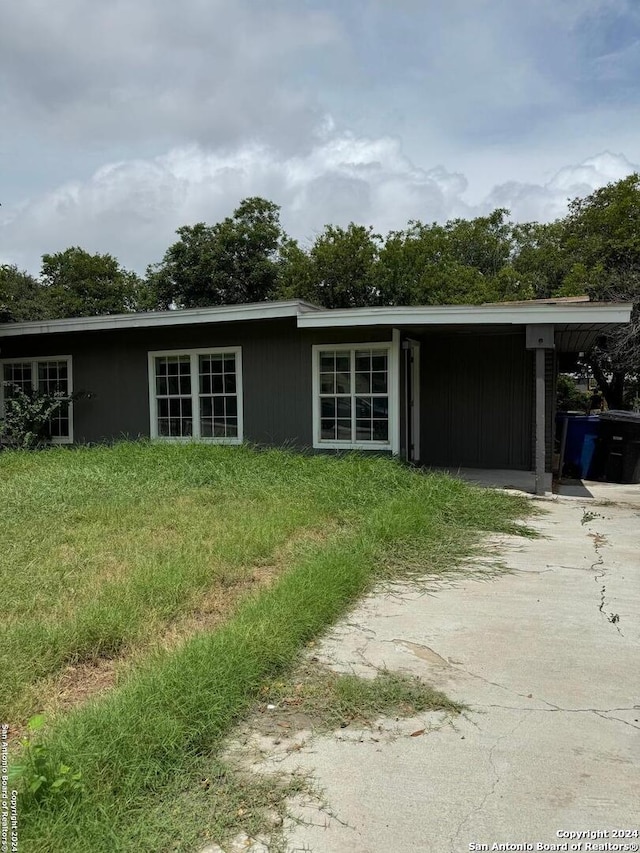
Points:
[[561, 314]]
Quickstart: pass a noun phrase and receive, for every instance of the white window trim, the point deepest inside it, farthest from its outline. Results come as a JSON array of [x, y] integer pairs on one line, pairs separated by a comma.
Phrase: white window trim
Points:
[[195, 396], [393, 348], [34, 360]]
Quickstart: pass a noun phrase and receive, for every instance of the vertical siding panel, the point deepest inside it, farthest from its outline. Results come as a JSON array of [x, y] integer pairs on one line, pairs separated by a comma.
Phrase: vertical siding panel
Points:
[[478, 412]]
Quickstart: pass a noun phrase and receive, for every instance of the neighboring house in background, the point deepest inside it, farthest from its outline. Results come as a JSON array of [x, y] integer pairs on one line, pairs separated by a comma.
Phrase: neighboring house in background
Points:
[[468, 386]]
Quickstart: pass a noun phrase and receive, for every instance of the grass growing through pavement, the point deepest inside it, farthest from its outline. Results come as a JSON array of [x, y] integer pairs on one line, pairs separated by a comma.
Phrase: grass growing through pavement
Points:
[[319, 698], [105, 546]]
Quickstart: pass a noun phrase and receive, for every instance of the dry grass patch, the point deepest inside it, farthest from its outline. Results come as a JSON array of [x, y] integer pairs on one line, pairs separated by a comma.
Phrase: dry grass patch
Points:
[[79, 682]]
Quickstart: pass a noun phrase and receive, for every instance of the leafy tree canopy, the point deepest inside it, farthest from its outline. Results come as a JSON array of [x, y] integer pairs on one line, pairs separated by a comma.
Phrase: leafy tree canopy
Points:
[[79, 284], [231, 262], [21, 296]]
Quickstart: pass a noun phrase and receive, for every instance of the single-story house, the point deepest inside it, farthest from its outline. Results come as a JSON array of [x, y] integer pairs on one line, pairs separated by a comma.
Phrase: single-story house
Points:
[[454, 385]]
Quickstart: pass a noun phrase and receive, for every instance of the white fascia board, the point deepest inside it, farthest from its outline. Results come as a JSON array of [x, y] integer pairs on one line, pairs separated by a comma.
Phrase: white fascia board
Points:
[[157, 319], [467, 315]]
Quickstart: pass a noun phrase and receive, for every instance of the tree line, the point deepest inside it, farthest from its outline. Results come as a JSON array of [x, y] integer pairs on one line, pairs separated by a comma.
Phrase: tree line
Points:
[[248, 257]]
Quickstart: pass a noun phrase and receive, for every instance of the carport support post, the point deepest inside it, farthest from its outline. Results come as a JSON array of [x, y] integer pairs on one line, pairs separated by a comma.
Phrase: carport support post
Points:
[[540, 422], [540, 338]]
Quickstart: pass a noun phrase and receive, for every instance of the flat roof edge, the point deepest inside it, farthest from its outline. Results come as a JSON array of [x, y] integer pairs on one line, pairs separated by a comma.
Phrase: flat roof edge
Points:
[[521, 314], [158, 319]]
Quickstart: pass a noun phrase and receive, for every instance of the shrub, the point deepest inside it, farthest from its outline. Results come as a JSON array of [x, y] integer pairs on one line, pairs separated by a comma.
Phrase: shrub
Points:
[[26, 422]]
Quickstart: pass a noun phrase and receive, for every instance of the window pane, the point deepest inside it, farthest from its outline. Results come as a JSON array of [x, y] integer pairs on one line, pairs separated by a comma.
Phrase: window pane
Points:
[[379, 383], [344, 407], [343, 383], [232, 427], [205, 384], [229, 363], [363, 407], [230, 383], [363, 361], [327, 362], [328, 407], [363, 383], [380, 407], [231, 407], [327, 429], [363, 430], [343, 363], [381, 430], [327, 383], [344, 430], [379, 362]]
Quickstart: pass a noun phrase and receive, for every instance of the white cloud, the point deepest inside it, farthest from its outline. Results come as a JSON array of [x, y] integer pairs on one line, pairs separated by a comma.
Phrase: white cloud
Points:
[[544, 202], [132, 208]]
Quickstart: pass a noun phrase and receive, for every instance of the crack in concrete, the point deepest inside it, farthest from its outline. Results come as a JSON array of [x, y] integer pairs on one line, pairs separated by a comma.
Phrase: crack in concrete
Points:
[[599, 712], [599, 540], [490, 792]]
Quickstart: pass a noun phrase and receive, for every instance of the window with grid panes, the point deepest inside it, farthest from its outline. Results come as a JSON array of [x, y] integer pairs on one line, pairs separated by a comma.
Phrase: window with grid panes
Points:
[[47, 376], [353, 386], [197, 395]]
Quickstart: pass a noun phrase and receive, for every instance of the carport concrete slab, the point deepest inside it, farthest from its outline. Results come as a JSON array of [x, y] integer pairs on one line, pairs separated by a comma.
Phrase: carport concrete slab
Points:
[[546, 658]]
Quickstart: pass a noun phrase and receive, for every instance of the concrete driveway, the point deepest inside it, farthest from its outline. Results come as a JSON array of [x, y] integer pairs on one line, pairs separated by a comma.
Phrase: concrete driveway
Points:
[[548, 660]]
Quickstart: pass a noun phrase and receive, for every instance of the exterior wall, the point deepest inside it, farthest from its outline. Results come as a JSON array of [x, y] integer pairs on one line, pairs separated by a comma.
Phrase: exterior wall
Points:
[[476, 399], [476, 402], [113, 367]]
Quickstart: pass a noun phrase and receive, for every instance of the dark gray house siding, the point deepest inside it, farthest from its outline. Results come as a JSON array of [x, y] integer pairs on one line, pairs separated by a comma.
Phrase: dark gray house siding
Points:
[[113, 367], [476, 406]]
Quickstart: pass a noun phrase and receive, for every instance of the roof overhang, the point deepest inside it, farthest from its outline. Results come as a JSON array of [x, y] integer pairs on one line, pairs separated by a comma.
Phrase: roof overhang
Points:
[[158, 319], [577, 324], [588, 313]]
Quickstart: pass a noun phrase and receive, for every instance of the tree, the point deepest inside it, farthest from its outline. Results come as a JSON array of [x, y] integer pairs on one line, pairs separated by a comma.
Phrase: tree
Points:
[[231, 262], [22, 298], [539, 259], [462, 261], [79, 284], [601, 241], [339, 271]]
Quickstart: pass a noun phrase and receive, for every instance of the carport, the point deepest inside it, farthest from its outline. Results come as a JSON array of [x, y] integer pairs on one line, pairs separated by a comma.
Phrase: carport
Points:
[[476, 384]]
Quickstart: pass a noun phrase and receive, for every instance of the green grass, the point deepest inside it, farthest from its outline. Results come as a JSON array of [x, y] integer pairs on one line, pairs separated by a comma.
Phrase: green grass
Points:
[[318, 698], [107, 545]]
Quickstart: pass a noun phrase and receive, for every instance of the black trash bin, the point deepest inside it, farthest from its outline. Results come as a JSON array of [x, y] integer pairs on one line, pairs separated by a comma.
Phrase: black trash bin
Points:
[[619, 446]]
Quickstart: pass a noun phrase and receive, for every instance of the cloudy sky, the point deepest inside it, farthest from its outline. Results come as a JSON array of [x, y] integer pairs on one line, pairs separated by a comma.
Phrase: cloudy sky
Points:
[[124, 119]]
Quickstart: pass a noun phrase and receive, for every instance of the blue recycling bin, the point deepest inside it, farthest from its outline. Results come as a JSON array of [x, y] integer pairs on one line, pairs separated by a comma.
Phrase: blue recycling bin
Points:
[[582, 433]]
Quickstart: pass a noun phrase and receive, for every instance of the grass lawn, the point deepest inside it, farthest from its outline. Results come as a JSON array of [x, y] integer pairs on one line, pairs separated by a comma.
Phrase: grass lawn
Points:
[[150, 591]]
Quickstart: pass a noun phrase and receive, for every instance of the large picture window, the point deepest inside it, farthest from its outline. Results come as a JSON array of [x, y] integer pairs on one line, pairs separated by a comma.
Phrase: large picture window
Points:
[[48, 375], [196, 394], [353, 396]]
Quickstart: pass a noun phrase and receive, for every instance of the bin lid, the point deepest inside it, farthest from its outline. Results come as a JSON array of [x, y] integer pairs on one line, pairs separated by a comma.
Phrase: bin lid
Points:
[[620, 415]]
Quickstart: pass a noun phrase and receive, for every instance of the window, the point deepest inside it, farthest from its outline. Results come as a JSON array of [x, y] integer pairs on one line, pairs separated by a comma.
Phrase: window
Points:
[[46, 375], [196, 394], [354, 394]]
